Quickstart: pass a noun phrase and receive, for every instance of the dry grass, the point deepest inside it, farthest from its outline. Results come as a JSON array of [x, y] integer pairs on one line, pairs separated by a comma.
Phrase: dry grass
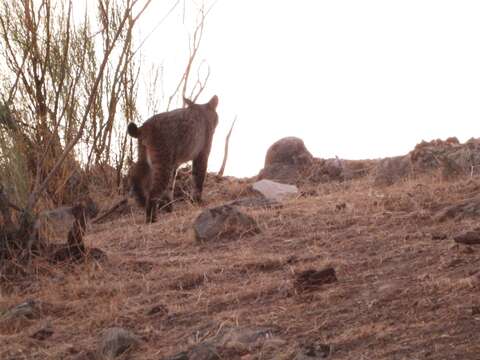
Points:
[[400, 294]]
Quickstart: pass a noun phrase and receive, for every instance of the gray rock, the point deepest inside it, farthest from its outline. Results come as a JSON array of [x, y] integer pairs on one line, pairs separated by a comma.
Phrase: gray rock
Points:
[[115, 341], [228, 343], [289, 150], [223, 222], [27, 310], [275, 191], [203, 352], [242, 337]]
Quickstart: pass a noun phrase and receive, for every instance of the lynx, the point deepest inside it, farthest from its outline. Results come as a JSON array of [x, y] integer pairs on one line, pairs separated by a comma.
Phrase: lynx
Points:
[[165, 141]]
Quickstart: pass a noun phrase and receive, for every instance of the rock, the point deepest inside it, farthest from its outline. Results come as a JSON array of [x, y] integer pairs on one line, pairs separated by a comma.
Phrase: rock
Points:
[[20, 316], [116, 341], [223, 222], [286, 161], [450, 156], [286, 173], [470, 207], [159, 310], [313, 352], [275, 191], [340, 206], [438, 236], [203, 352], [468, 238], [239, 338], [42, 333], [289, 150], [390, 170], [228, 343], [27, 310], [309, 280]]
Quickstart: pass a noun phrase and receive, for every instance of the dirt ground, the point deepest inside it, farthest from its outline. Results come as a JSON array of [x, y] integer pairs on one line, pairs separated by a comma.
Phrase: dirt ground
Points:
[[405, 289]]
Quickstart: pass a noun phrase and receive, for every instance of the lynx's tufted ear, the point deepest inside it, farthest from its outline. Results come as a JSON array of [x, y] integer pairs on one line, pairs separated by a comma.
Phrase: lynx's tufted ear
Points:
[[213, 103], [188, 102]]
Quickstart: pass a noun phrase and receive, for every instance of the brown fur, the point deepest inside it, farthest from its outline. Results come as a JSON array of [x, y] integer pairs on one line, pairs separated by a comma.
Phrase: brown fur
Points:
[[165, 141]]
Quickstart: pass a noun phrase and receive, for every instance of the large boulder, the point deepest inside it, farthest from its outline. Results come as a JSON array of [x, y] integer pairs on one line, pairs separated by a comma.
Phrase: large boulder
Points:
[[286, 161], [289, 150]]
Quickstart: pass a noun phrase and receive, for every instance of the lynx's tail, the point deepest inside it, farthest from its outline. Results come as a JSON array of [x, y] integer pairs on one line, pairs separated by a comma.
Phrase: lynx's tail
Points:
[[133, 130]]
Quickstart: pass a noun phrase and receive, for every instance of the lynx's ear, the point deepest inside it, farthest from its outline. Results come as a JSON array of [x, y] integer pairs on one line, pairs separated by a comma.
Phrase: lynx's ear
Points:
[[188, 102], [213, 103]]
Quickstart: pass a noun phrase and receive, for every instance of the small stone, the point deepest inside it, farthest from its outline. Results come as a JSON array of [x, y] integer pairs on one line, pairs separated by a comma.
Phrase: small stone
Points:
[[468, 238], [116, 341], [202, 351], [438, 236], [223, 222], [158, 310], [26, 310], [309, 280], [42, 334], [340, 207], [313, 351]]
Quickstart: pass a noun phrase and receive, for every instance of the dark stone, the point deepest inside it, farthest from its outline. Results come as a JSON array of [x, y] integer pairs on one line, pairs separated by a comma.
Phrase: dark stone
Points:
[[468, 238], [439, 236], [158, 310], [309, 280], [313, 351], [42, 334]]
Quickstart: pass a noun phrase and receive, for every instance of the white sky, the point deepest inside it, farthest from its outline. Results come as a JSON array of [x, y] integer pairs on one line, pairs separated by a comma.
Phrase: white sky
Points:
[[356, 79]]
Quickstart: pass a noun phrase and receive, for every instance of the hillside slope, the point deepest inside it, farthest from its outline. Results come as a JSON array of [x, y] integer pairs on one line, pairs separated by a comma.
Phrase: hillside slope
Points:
[[405, 289]]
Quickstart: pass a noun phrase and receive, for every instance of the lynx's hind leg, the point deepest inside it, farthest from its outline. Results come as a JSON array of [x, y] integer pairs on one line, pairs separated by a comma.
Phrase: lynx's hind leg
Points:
[[140, 182], [161, 168], [166, 201]]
